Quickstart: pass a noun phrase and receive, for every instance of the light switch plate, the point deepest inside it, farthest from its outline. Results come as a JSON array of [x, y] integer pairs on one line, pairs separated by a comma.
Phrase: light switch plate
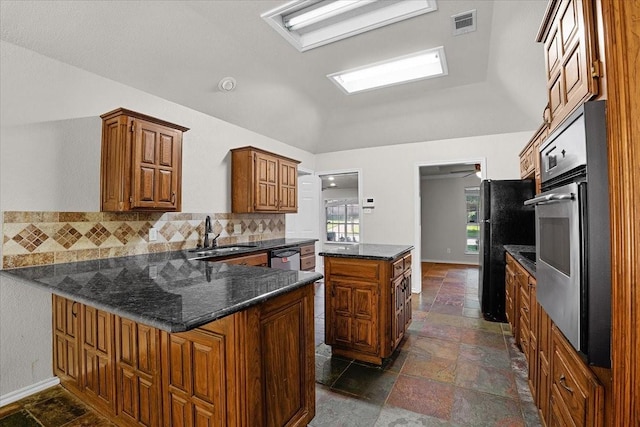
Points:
[[153, 234], [237, 228], [260, 228]]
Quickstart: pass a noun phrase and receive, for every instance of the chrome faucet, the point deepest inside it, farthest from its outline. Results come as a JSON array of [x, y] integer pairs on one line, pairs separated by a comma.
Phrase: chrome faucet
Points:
[[207, 230]]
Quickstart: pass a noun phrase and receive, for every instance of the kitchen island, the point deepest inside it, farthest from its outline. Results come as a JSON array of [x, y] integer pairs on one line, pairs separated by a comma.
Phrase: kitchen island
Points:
[[162, 339], [367, 299]]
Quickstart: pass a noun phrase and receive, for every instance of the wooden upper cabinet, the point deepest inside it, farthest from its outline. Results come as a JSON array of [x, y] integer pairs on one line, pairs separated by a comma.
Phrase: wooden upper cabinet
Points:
[[530, 157], [141, 167], [263, 182], [571, 56]]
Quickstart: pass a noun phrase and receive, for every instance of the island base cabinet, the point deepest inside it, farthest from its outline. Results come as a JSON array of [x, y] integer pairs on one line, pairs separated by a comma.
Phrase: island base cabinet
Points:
[[367, 306]]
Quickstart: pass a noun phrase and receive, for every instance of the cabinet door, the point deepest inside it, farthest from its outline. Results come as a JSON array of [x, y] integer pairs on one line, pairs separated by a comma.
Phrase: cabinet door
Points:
[[138, 376], [398, 316], [287, 358], [66, 362], [194, 365], [408, 312], [266, 182], [570, 55], [157, 152], [97, 357], [353, 315], [288, 185]]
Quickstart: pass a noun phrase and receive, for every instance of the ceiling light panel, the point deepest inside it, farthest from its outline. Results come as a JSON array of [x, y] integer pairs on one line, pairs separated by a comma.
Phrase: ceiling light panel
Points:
[[310, 24], [409, 68]]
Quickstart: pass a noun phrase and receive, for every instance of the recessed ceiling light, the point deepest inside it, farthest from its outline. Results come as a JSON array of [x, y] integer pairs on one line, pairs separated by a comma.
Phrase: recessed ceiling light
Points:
[[416, 66], [309, 24], [333, 184], [331, 178]]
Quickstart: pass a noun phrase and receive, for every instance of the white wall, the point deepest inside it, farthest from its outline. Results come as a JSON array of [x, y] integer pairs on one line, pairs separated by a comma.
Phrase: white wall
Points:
[[50, 160], [444, 219]]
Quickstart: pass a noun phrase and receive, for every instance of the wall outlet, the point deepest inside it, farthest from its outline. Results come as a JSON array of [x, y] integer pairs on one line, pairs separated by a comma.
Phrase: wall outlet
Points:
[[153, 272], [448, 250], [237, 228], [260, 228], [153, 234]]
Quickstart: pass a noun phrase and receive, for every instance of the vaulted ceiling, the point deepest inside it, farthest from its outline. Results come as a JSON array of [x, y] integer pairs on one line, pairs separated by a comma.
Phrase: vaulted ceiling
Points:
[[180, 50]]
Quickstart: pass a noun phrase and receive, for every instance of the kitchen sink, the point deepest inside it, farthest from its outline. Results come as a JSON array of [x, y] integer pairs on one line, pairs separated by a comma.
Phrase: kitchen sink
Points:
[[220, 249], [531, 256]]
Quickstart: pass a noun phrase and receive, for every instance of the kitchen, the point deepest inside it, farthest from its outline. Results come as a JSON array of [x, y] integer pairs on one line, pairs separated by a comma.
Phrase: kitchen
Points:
[[50, 116]]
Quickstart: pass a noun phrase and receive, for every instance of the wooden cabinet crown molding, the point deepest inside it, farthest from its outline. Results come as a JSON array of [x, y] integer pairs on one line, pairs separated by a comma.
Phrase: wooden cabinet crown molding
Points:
[[131, 113]]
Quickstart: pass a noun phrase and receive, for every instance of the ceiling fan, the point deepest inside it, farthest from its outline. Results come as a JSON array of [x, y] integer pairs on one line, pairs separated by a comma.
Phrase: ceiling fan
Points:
[[475, 170]]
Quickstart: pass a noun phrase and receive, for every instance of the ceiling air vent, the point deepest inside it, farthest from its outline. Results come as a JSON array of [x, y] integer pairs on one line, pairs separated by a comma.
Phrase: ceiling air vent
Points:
[[464, 22]]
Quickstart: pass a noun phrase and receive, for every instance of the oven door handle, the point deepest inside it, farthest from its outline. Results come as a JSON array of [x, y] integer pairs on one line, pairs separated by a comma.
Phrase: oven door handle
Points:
[[549, 198]]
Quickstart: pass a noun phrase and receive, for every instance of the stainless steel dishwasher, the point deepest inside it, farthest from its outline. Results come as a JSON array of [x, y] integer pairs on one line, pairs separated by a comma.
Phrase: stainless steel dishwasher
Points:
[[285, 259]]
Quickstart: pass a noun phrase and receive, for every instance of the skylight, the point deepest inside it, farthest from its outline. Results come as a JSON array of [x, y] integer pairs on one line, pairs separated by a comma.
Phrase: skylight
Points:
[[416, 66], [310, 24]]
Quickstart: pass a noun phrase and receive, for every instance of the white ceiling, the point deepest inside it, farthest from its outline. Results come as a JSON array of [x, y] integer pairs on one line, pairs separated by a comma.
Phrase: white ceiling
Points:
[[179, 50]]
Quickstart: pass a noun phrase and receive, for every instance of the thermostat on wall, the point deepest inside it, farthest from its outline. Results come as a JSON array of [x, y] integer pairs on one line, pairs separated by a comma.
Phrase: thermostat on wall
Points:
[[367, 202]]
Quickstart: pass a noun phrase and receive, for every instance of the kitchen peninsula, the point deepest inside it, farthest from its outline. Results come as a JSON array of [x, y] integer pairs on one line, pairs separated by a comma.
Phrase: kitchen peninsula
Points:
[[367, 299], [162, 339]]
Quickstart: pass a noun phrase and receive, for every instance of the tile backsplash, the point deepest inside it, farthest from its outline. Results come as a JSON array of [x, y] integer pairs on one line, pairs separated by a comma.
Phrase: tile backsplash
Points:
[[40, 238]]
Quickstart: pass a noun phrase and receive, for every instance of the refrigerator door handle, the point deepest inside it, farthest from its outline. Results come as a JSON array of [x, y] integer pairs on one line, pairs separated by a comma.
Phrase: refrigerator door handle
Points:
[[549, 198]]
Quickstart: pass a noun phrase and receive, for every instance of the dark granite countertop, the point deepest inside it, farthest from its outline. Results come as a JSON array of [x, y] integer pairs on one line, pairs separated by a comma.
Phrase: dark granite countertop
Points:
[[249, 247], [366, 251], [515, 251], [168, 290]]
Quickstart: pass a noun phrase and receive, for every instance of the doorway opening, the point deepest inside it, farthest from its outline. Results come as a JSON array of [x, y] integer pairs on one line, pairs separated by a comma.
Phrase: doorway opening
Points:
[[446, 212]]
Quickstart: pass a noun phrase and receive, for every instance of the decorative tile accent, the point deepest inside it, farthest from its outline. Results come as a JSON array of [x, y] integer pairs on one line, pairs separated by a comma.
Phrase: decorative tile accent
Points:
[[41, 238], [67, 236], [124, 233], [98, 234], [168, 231], [30, 238]]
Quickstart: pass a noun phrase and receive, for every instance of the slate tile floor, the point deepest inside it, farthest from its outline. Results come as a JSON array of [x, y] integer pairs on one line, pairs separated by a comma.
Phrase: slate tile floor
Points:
[[452, 369]]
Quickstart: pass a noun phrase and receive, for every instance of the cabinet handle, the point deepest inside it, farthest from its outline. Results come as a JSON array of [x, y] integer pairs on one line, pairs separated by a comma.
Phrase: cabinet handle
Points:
[[563, 383], [74, 310], [173, 197]]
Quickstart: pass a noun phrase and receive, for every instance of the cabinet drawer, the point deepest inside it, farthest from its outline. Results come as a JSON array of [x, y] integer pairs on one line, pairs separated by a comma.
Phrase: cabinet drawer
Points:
[[254, 260], [397, 268], [574, 384], [407, 262], [359, 269], [308, 263], [307, 250]]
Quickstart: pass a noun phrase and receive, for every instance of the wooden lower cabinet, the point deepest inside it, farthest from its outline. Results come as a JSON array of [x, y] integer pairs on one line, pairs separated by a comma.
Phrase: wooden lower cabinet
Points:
[[367, 306], [308, 257], [66, 342], [566, 391], [138, 387], [252, 368], [256, 260], [97, 357]]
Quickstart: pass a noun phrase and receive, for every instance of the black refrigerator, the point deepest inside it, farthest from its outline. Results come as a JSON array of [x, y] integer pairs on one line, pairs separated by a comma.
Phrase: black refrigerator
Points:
[[504, 220]]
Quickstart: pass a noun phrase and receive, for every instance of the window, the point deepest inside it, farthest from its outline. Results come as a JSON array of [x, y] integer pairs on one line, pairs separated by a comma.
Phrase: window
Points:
[[472, 231], [343, 222]]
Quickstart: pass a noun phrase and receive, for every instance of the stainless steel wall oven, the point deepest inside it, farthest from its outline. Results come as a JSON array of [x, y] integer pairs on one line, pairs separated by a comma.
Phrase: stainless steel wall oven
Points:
[[573, 268]]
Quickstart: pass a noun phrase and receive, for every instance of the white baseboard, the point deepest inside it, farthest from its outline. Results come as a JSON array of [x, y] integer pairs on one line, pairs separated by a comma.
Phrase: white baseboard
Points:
[[14, 396], [451, 262]]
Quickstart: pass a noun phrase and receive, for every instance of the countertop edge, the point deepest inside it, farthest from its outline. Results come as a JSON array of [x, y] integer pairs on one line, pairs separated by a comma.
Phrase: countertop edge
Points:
[[514, 251], [396, 255], [167, 326]]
